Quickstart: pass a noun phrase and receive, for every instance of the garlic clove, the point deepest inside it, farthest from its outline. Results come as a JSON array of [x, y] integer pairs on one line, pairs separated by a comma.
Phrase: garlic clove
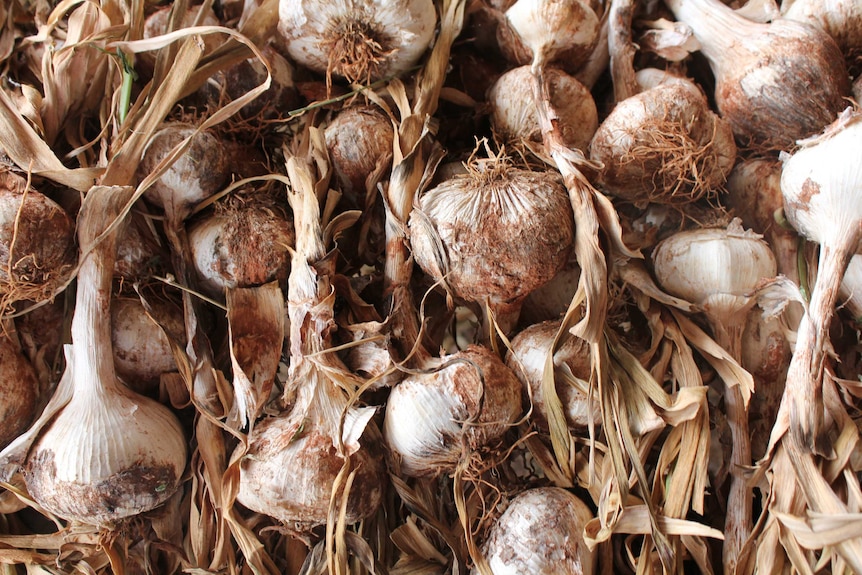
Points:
[[513, 115], [527, 357], [541, 533], [664, 145], [19, 389], [360, 40], [472, 399]]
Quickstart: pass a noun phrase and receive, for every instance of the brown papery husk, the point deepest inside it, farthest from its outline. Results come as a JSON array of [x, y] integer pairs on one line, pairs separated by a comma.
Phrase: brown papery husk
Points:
[[19, 390], [664, 145]]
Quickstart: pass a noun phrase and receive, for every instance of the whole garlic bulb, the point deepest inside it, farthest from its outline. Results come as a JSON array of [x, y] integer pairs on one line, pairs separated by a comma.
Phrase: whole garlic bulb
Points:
[[360, 40], [664, 145], [493, 235], [513, 114], [18, 391], [540, 533], [527, 360], [241, 246], [471, 400]]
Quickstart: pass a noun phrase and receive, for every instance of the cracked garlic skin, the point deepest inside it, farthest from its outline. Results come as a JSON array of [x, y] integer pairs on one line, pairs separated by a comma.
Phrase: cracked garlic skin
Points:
[[360, 40], [540, 533], [494, 234], [470, 401]]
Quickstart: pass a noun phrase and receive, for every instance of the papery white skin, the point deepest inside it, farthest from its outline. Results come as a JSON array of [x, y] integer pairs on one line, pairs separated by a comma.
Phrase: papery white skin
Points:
[[142, 351], [540, 533], [404, 28], [550, 27]]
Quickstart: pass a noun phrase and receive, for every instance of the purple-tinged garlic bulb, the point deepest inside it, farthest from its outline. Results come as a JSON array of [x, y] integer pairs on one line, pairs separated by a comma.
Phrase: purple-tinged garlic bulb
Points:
[[493, 235], [469, 401], [527, 358], [663, 145], [541, 533], [776, 82], [360, 40], [513, 114]]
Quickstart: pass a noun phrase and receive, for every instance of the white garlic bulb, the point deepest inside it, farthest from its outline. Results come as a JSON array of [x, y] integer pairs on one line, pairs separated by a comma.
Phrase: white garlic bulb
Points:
[[470, 400], [540, 533], [360, 40], [527, 357], [513, 114], [549, 30], [493, 235]]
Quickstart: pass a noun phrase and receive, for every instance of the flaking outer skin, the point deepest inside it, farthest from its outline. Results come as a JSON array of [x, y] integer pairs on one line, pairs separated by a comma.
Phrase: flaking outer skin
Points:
[[501, 234]]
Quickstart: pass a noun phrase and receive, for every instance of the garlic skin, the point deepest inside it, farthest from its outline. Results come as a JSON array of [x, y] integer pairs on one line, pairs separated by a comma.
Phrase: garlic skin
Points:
[[776, 82], [841, 19], [493, 235], [527, 357], [360, 40], [196, 175], [18, 391], [142, 351], [850, 294], [664, 145], [549, 30], [472, 399], [513, 115], [359, 140], [37, 242], [242, 246], [540, 533]]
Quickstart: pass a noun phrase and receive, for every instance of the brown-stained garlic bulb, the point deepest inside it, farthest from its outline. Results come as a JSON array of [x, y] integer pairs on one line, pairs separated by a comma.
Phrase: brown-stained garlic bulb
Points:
[[37, 242], [565, 31], [494, 235], [19, 390], [359, 141], [468, 401], [540, 533], [242, 245], [360, 40], [841, 19], [156, 24], [527, 358], [108, 453], [776, 82], [663, 145], [513, 115], [142, 351], [196, 175]]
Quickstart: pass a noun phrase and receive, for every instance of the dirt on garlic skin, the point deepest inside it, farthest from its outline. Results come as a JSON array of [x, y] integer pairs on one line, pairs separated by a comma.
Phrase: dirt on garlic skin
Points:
[[136, 489]]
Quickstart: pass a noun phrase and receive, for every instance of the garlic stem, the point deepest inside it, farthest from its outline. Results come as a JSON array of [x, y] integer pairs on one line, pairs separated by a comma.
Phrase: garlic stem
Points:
[[717, 27], [622, 49]]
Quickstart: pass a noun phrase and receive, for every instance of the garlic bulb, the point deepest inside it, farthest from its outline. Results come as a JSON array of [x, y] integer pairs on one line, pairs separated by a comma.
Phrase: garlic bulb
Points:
[[493, 235], [18, 391], [527, 357], [142, 351], [513, 115], [850, 294], [241, 246], [775, 83], [551, 300], [820, 183], [360, 40], [196, 175], [718, 269], [109, 453], [549, 30], [663, 145], [37, 242], [470, 400], [841, 19], [540, 533], [359, 141]]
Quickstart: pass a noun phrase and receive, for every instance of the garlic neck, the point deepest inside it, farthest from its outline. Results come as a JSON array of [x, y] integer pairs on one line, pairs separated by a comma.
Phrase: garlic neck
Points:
[[718, 28]]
